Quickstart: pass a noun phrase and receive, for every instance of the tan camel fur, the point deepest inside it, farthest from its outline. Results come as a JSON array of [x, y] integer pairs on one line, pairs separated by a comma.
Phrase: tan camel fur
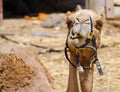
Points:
[[76, 38], [21, 71]]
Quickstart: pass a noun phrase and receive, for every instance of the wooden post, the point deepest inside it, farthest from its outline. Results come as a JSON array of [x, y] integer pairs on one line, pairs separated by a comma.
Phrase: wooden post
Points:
[[91, 4], [94, 4], [109, 9], [1, 12], [87, 4]]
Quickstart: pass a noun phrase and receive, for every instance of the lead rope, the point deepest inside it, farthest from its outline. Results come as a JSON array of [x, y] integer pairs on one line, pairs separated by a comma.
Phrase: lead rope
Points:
[[78, 81], [79, 69]]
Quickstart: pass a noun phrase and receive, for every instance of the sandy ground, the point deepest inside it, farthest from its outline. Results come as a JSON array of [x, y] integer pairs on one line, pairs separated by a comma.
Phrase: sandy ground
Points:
[[49, 45]]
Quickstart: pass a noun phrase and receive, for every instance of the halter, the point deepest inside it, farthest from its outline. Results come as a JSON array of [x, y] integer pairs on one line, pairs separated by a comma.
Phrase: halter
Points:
[[94, 58]]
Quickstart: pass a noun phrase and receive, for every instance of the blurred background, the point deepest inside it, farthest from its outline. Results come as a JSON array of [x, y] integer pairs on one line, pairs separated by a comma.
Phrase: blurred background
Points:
[[17, 8]]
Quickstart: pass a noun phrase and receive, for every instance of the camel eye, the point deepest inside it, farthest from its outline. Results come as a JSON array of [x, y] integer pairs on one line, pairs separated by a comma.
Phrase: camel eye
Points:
[[76, 23]]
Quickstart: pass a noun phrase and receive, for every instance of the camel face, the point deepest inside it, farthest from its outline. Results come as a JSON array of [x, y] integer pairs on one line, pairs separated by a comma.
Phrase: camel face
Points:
[[79, 30]]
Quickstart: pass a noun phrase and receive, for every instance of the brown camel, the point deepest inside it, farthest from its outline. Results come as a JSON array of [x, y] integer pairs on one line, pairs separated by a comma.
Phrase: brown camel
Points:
[[21, 71], [82, 42]]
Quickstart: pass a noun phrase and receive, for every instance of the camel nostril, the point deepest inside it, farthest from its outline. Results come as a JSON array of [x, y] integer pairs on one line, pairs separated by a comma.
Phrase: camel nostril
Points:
[[78, 34], [73, 33]]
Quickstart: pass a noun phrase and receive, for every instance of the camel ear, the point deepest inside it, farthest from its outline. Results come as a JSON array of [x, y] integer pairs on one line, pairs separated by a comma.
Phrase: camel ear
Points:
[[70, 19], [69, 23], [99, 25]]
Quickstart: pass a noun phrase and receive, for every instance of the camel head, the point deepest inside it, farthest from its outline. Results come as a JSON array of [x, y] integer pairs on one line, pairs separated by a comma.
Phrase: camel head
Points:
[[82, 41], [82, 26]]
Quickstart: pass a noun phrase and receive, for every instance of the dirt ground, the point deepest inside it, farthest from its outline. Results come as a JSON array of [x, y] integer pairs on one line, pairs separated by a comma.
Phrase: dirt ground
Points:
[[49, 43]]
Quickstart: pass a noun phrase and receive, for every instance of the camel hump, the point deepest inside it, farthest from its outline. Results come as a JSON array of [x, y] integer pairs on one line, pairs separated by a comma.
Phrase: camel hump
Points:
[[21, 71]]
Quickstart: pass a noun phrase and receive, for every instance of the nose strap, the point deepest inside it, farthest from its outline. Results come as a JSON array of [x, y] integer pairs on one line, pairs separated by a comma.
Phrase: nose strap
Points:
[[91, 25], [99, 67], [93, 48]]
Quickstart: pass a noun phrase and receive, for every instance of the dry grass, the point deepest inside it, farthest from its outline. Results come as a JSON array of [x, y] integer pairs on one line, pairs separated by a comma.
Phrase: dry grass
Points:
[[56, 63]]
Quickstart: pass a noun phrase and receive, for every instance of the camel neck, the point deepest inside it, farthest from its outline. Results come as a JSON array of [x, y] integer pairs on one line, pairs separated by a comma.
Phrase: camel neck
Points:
[[86, 78]]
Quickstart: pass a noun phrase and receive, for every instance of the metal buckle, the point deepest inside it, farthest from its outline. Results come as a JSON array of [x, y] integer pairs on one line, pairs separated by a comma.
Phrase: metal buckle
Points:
[[90, 35]]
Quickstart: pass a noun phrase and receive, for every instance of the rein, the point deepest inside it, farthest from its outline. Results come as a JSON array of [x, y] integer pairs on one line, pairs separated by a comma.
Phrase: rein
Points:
[[84, 46]]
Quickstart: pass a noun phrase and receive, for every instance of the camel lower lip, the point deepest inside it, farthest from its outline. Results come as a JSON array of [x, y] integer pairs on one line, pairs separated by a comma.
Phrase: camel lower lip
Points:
[[77, 42]]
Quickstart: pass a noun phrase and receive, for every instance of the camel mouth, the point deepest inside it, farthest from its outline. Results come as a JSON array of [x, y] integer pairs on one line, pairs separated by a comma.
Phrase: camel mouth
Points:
[[76, 41]]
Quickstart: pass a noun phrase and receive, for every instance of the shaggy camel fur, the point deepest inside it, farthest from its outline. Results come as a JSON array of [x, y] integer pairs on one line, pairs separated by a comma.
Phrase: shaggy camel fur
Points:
[[21, 71], [79, 25]]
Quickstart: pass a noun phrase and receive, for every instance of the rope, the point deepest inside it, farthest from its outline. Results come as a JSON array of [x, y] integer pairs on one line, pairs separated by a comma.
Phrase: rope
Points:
[[78, 70], [78, 82]]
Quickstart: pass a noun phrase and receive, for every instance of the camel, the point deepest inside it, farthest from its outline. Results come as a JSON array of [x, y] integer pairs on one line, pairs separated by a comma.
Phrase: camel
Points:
[[21, 71], [82, 41]]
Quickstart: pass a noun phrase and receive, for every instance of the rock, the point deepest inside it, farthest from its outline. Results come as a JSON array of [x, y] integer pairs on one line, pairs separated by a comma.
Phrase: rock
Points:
[[55, 19]]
